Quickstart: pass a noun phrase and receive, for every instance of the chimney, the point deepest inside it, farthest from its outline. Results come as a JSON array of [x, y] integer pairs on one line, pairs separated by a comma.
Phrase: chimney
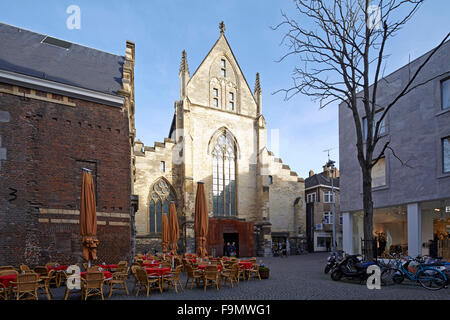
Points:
[[326, 171], [311, 173]]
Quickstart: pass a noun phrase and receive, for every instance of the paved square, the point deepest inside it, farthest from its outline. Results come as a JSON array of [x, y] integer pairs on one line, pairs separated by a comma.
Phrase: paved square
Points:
[[295, 277]]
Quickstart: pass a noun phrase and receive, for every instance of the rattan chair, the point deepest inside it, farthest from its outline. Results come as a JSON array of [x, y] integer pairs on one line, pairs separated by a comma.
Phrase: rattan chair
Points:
[[143, 280], [211, 276], [25, 269], [92, 285], [26, 286], [4, 291], [7, 268], [254, 271], [230, 275], [45, 280], [173, 279], [193, 275], [118, 281]]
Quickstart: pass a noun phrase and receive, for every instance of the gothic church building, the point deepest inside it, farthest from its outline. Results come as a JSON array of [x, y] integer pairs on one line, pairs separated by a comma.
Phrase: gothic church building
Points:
[[218, 137]]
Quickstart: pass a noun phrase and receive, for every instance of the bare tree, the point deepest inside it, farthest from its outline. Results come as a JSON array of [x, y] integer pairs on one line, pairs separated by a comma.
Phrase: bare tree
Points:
[[341, 45]]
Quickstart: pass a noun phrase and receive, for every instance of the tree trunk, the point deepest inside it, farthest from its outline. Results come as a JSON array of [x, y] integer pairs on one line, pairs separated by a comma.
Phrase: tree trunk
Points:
[[368, 213]]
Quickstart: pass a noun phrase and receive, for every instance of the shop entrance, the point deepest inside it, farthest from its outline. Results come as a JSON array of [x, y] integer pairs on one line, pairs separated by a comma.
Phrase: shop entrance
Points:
[[230, 238]]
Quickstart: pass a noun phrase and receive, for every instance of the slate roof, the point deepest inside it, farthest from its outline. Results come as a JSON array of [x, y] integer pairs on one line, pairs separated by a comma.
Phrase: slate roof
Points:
[[23, 52], [320, 179]]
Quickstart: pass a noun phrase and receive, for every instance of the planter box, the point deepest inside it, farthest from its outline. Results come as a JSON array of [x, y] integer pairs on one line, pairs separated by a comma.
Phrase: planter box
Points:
[[264, 274]]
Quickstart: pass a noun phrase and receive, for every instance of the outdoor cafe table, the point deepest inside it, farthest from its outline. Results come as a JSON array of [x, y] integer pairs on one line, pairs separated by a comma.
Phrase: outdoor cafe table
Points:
[[245, 265], [203, 266], [150, 264], [6, 280], [57, 268], [107, 274], [158, 271], [107, 266]]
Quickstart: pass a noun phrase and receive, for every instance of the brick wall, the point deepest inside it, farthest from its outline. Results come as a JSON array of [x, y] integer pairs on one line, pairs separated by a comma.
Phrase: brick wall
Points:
[[47, 144]]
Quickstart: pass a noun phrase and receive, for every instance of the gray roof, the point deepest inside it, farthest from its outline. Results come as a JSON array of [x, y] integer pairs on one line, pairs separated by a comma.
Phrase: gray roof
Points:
[[23, 52], [320, 179]]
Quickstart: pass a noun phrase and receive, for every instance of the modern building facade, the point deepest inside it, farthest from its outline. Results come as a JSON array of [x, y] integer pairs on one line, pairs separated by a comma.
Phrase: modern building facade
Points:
[[63, 107], [218, 137], [319, 211], [411, 197]]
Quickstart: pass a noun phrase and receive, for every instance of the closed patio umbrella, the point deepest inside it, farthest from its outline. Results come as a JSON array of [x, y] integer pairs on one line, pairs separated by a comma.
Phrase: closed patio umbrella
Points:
[[88, 217], [165, 232], [173, 228], [201, 220]]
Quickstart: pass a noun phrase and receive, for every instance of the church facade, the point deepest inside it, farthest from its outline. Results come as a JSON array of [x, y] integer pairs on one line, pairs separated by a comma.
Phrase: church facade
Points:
[[218, 137]]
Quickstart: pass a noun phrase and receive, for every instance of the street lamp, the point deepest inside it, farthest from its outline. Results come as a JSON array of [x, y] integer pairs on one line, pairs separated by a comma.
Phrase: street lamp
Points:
[[330, 164]]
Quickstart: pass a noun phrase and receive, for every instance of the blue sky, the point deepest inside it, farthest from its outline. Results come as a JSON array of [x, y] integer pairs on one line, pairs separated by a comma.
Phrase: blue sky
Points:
[[162, 29]]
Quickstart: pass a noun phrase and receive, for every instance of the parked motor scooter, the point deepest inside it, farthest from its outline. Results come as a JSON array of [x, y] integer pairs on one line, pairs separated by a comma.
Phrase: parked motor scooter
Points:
[[351, 267], [333, 260]]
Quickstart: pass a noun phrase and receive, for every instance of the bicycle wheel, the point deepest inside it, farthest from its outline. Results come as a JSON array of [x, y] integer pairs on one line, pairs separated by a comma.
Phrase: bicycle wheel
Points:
[[431, 279]]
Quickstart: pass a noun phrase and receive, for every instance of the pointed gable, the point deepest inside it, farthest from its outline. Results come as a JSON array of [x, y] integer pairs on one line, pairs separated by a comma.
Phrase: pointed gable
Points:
[[220, 83]]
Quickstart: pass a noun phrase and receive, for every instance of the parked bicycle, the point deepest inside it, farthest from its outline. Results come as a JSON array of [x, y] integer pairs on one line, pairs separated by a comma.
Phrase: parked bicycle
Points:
[[428, 275]]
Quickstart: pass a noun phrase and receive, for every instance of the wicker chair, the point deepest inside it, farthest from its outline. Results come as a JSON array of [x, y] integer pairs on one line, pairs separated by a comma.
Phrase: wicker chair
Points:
[[26, 286], [25, 269], [144, 281], [7, 268], [230, 275], [173, 279], [254, 271], [119, 280], [92, 285], [68, 291], [45, 280], [211, 276], [133, 271], [241, 272], [193, 275]]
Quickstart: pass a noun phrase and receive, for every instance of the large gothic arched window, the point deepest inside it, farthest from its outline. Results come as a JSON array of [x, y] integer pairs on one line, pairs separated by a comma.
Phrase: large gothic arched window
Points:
[[224, 176], [160, 197]]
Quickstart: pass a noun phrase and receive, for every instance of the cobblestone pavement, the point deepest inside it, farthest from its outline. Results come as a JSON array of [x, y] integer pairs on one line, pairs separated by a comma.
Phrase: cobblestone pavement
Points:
[[295, 277]]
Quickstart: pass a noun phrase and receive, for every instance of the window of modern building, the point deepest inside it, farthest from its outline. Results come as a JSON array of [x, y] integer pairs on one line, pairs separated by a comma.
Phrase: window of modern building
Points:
[[216, 102], [446, 154], [328, 217], [160, 197], [328, 197], [377, 117], [224, 176], [341, 219], [445, 94], [379, 173], [311, 197], [163, 166]]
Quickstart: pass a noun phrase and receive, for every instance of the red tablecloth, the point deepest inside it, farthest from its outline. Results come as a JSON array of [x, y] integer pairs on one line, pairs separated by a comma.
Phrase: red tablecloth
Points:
[[107, 266], [245, 265], [58, 268], [203, 266], [107, 274], [7, 279], [150, 265], [158, 271]]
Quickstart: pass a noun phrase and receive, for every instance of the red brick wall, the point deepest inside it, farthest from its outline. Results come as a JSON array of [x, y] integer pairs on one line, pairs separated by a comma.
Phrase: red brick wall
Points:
[[47, 145], [216, 229]]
